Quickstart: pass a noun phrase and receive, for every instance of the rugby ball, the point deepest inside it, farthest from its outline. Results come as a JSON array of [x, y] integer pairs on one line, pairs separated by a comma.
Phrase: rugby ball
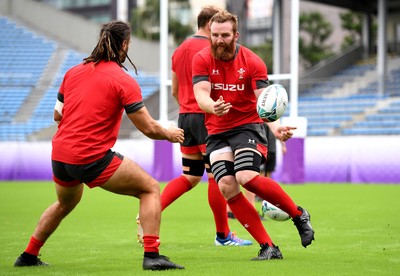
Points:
[[273, 212], [272, 102]]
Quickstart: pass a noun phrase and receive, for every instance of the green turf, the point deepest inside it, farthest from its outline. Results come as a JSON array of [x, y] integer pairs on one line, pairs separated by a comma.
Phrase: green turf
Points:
[[357, 233]]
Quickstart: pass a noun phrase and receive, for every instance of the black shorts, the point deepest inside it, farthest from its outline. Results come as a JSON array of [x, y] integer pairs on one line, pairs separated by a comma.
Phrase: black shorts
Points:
[[246, 136], [92, 174], [270, 164], [195, 132]]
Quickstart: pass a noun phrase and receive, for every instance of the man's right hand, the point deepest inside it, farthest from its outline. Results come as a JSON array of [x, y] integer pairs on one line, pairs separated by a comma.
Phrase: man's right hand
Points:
[[221, 108], [176, 135]]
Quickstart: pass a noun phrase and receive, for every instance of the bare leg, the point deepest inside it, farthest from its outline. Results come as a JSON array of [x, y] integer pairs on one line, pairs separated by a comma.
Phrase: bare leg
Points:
[[67, 199], [131, 179]]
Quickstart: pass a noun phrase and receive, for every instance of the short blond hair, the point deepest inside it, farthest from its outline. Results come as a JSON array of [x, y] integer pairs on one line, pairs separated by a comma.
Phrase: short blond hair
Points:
[[225, 16]]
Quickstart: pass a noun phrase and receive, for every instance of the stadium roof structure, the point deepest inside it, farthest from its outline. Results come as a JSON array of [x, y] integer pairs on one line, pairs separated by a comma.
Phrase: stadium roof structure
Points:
[[362, 5]]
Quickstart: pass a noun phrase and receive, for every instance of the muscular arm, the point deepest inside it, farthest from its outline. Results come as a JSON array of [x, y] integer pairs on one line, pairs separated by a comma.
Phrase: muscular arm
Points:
[[202, 91], [152, 129]]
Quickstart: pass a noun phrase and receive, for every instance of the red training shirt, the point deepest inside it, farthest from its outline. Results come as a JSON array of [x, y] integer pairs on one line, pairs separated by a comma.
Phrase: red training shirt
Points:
[[236, 81], [182, 66], [94, 98]]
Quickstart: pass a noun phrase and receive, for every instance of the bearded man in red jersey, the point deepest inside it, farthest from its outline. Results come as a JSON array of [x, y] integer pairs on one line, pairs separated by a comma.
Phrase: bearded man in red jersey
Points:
[[191, 120], [228, 78]]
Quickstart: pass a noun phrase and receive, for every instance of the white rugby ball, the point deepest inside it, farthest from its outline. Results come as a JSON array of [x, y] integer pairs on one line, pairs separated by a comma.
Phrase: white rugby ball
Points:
[[273, 212], [272, 102]]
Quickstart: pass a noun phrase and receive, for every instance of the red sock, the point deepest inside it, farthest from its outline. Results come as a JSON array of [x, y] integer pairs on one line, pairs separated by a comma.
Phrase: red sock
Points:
[[34, 246], [248, 216], [217, 204], [173, 190], [272, 192], [151, 243]]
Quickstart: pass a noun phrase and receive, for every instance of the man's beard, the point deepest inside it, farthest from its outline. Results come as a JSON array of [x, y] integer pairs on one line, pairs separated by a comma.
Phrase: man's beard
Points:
[[222, 51]]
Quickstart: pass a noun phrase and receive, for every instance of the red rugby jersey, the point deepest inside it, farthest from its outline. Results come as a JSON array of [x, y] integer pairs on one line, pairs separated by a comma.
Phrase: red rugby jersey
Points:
[[182, 66], [236, 81], [94, 100]]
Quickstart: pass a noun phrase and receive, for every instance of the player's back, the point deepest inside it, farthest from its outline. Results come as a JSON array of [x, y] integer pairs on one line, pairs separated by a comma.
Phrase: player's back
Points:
[[182, 66], [94, 98]]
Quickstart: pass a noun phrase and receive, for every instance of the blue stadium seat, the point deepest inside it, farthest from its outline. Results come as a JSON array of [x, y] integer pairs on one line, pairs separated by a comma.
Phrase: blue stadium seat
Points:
[[333, 113], [12, 99]]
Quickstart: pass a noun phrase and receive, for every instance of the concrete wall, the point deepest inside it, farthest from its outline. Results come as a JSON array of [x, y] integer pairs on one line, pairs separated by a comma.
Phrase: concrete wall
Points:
[[330, 67], [79, 33], [4, 7]]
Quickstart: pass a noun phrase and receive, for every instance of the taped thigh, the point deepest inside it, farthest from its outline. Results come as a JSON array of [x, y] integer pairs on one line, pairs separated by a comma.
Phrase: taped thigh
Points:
[[247, 160], [222, 168], [193, 167], [207, 163]]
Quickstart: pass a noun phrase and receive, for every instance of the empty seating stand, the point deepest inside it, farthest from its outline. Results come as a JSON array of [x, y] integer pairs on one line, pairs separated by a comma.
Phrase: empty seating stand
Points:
[[385, 122], [326, 115], [24, 55], [23, 59]]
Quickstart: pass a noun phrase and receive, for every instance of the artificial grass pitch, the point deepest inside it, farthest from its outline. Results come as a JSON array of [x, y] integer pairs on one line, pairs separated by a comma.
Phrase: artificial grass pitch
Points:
[[357, 233]]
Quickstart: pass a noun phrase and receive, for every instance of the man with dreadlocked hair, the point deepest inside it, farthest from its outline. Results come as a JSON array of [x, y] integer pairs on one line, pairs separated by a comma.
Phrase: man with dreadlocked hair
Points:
[[90, 103]]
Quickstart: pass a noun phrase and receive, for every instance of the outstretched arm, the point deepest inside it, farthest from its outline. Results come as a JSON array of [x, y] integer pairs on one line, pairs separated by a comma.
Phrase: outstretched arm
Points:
[[282, 133], [152, 129], [202, 91]]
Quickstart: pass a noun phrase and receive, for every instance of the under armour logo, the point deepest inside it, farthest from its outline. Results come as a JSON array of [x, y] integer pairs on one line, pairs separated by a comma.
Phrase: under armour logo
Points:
[[215, 72], [252, 141]]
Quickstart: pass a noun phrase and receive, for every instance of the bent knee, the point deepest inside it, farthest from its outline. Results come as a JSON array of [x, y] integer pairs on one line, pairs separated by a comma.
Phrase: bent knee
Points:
[[64, 208], [228, 186], [194, 180], [245, 176], [153, 186]]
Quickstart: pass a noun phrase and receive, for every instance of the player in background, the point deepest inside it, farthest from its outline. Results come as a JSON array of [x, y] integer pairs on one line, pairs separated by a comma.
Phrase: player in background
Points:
[[227, 80], [191, 120], [268, 167], [90, 103]]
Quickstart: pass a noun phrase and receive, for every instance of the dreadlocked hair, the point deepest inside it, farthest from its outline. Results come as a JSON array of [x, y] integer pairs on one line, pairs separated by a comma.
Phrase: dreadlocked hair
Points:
[[109, 46]]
